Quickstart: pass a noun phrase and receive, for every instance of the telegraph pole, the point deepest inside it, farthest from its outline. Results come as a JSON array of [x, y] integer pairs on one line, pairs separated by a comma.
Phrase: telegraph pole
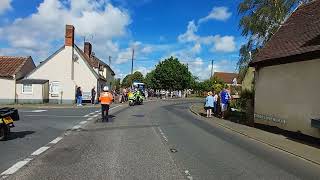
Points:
[[110, 61], [132, 60], [211, 68]]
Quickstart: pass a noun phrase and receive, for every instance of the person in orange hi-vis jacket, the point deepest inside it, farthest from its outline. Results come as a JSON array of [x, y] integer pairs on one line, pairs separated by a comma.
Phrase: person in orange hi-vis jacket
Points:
[[106, 99]]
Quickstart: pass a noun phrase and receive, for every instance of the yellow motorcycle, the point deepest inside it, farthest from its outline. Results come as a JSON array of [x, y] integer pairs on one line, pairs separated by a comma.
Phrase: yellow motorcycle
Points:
[[7, 117]]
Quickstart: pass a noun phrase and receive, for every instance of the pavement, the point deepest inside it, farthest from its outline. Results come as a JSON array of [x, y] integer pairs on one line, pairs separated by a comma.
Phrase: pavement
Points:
[[299, 149], [160, 140]]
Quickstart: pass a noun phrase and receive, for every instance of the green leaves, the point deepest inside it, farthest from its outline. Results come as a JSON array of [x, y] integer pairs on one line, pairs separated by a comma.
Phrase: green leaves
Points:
[[260, 20], [170, 74], [128, 80]]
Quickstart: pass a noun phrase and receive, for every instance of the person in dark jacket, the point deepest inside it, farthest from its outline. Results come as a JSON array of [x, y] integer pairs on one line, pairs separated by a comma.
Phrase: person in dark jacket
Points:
[[79, 96], [93, 95]]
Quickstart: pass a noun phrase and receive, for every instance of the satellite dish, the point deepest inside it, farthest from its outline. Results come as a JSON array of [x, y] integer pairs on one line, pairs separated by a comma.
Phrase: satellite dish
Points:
[[75, 57]]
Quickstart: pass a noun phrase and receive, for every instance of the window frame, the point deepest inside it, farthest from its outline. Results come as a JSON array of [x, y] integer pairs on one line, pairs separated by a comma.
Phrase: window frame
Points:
[[54, 83], [23, 89]]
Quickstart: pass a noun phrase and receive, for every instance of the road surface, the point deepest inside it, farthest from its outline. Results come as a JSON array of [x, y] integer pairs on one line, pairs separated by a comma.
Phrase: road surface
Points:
[[36, 128], [162, 140]]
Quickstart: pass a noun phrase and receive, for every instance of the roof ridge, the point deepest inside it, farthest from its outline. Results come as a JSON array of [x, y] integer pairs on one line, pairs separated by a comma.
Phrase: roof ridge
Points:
[[22, 57], [21, 65]]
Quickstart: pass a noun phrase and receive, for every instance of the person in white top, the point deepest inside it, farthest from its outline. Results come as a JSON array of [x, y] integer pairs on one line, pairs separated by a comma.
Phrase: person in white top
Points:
[[215, 101]]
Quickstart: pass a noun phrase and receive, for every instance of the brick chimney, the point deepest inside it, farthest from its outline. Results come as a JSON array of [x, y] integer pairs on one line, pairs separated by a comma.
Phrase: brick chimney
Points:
[[87, 49], [69, 38]]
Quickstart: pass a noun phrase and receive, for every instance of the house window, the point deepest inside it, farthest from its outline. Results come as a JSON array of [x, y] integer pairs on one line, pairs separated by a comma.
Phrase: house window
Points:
[[55, 88], [27, 88]]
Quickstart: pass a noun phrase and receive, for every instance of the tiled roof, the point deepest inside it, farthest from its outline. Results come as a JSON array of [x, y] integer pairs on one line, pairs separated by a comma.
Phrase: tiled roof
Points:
[[226, 77], [300, 34], [94, 62], [11, 65]]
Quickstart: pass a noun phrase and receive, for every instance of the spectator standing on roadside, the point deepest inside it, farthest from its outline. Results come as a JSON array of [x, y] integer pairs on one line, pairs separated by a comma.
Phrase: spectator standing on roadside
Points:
[[215, 102], [146, 94], [79, 96], [209, 104], [93, 95], [224, 100]]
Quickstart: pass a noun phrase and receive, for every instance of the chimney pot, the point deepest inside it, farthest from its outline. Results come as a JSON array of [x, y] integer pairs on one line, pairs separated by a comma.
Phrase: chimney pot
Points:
[[69, 37], [87, 49]]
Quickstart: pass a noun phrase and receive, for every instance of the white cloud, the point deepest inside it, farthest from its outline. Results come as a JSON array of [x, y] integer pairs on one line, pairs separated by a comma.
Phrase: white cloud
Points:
[[141, 51], [196, 48], [147, 49], [220, 43], [39, 30], [217, 13], [189, 35], [223, 44], [5, 5], [143, 70]]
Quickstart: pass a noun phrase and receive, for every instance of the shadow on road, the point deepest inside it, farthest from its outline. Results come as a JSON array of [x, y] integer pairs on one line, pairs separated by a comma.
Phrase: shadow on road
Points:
[[110, 119], [21, 134]]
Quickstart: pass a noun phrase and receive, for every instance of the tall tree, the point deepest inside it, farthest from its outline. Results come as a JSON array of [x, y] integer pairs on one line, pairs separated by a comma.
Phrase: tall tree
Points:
[[260, 20], [170, 74], [116, 84], [130, 78], [150, 80]]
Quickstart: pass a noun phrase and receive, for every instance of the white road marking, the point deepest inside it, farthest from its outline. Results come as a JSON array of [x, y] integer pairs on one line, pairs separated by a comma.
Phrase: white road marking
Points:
[[39, 110], [56, 140], [76, 127], [115, 107], [22, 163], [83, 122], [16, 166], [40, 150], [35, 111], [187, 173], [95, 115], [162, 134], [53, 116]]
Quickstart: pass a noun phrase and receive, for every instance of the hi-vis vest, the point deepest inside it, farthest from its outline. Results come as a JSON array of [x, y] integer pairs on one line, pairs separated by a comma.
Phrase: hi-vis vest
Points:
[[106, 98]]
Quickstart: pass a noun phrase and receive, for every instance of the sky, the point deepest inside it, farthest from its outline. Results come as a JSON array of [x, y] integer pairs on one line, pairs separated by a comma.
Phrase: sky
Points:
[[194, 31]]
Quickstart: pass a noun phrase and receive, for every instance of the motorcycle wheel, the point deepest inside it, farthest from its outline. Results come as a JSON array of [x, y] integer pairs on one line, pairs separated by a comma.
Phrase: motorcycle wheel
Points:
[[4, 132]]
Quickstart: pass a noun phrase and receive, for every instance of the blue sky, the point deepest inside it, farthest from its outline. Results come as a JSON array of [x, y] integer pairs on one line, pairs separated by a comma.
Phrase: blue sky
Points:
[[194, 31]]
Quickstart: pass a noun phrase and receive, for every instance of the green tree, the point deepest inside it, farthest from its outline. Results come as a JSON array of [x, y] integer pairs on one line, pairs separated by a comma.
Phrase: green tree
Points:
[[260, 19], [116, 84], [128, 79], [137, 76], [170, 74], [150, 80]]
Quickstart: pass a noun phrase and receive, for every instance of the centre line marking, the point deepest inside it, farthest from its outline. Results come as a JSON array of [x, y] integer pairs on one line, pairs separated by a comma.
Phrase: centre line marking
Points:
[[83, 122], [56, 140], [162, 134], [16, 166], [76, 127], [40, 150]]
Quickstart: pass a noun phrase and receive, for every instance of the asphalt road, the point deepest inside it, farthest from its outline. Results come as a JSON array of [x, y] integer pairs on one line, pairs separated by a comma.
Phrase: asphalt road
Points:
[[36, 128], [162, 140]]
